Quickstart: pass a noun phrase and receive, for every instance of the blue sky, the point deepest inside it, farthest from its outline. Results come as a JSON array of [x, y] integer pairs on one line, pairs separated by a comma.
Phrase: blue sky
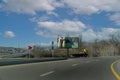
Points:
[[28, 22]]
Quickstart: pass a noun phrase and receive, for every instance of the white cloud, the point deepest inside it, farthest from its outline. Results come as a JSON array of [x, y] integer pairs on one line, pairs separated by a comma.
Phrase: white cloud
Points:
[[44, 17], [93, 6], [53, 13], [73, 28], [29, 6], [116, 18], [65, 25], [89, 35], [9, 34], [78, 6], [49, 28], [104, 34], [86, 7], [46, 33]]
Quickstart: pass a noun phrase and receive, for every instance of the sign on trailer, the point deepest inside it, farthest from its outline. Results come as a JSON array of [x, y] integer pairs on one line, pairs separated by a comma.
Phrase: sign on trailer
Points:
[[71, 42]]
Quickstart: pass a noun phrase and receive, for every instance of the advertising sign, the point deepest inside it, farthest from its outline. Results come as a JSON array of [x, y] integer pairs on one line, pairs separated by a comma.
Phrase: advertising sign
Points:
[[71, 42], [68, 42]]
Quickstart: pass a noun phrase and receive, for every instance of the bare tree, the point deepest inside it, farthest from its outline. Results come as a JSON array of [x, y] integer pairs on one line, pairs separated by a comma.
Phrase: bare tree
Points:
[[40, 51]]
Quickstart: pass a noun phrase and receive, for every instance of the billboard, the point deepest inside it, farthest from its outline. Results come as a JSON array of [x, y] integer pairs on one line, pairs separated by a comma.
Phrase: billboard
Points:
[[68, 42], [71, 42]]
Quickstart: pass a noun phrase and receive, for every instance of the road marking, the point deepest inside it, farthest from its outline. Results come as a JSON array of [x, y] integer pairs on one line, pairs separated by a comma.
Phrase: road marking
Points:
[[48, 73], [113, 70], [87, 61], [96, 60], [70, 59], [74, 64]]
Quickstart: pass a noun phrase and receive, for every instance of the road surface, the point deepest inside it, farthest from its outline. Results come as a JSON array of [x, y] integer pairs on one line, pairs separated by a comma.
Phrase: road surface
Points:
[[71, 69]]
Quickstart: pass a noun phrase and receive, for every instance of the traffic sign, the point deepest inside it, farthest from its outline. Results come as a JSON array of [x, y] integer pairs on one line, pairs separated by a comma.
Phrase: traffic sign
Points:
[[30, 47]]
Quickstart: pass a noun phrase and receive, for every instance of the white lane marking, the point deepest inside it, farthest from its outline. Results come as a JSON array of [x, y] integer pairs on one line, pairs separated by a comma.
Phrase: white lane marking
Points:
[[87, 61], [45, 74], [74, 64], [70, 60], [96, 60]]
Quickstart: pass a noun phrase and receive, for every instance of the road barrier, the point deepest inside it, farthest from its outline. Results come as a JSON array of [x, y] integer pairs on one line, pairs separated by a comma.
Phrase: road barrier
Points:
[[5, 62]]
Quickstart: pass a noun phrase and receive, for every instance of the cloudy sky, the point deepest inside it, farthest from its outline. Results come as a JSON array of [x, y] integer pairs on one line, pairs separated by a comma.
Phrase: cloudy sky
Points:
[[24, 22]]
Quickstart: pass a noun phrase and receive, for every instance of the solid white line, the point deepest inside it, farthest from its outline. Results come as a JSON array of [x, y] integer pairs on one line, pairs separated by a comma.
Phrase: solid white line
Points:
[[45, 74], [74, 64]]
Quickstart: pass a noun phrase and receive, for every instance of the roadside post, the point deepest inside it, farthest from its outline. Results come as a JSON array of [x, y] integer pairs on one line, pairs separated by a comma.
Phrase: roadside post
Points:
[[52, 48], [29, 51]]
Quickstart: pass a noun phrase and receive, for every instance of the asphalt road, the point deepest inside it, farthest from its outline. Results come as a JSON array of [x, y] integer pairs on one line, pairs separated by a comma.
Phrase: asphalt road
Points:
[[71, 69]]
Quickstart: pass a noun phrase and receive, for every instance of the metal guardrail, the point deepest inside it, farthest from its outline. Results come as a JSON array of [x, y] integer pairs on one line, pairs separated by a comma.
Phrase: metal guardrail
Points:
[[26, 61]]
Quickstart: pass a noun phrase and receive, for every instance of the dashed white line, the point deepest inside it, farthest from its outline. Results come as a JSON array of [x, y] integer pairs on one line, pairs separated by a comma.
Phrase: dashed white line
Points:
[[87, 61], [70, 60], [96, 60], [45, 74], [74, 64]]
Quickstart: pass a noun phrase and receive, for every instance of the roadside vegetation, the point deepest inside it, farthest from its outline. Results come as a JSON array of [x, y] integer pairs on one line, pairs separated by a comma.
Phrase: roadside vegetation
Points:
[[109, 47]]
